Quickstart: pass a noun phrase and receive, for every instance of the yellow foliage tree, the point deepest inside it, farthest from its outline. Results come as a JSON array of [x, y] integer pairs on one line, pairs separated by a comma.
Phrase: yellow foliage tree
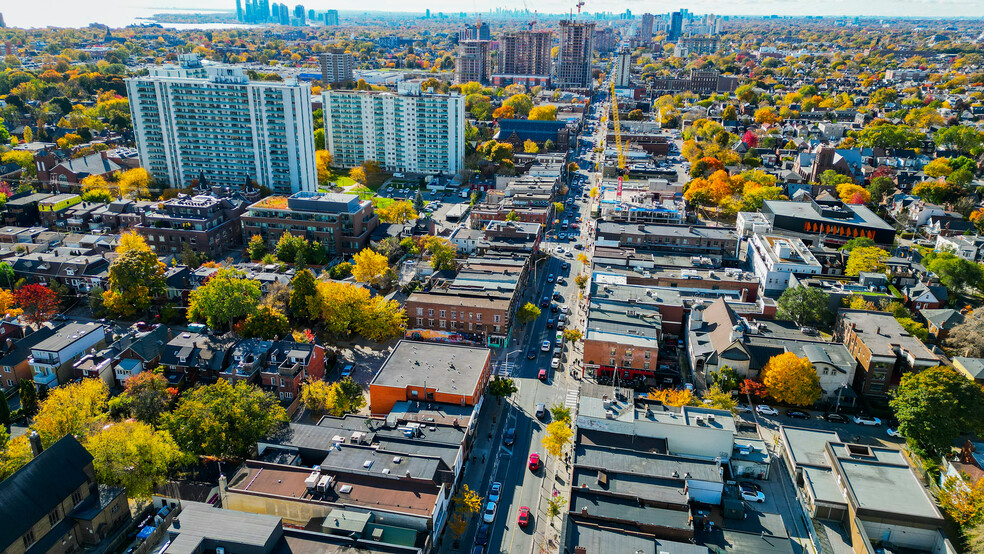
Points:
[[673, 397], [544, 113], [134, 183], [74, 409], [962, 498], [14, 455], [8, 304], [358, 175], [96, 187], [323, 161], [850, 193], [400, 211], [346, 308], [530, 147], [940, 167], [557, 437], [370, 267], [767, 116], [791, 379], [867, 259]]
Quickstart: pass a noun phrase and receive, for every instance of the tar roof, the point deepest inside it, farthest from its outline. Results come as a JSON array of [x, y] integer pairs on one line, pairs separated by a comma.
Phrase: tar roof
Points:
[[806, 446], [615, 538], [860, 215], [639, 463], [621, 509], [887, 488], [66, 336], [202, 522], [446, 368]]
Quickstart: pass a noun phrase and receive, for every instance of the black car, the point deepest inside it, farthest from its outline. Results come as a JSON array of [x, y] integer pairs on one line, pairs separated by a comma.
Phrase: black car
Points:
[[550, 323], [558, 297], [554, 308], [531, 355], [796, 414], [545, 302], [482, 535], [835, 417], [509, 437], [750, 485]]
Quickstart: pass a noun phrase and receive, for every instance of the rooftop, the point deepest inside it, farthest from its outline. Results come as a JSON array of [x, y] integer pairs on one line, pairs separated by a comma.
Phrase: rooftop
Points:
[[882, 334], [201, 527], [806, 446], [855, 214], [67, 335], [446, 368]]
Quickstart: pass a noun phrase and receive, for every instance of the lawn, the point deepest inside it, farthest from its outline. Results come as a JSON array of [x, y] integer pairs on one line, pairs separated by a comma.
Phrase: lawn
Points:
[[340, 178]]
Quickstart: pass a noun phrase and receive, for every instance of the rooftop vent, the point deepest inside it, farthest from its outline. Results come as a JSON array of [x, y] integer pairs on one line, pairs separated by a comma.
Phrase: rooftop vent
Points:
[[345, 489]]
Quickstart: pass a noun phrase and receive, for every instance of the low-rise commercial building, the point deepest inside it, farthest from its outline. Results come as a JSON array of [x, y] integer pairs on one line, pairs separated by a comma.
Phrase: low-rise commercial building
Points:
[[774, 259], [832, 221]]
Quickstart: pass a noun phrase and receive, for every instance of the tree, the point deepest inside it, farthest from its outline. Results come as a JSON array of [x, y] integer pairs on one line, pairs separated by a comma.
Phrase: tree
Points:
[[15, 454], [442, 252], [965, 338], [72, 409], [134, 183], [673, 397], [792, 380], [150, 396], [136, 277], [322, 162], [804, 305], [548, 145], [560, 413], [962, 498], [850, 193], [370, 267], [530, 147], [256, 248], [580, 280], [527, 313], [28, 134], [379, 319], [879, 187], [857, 242], [572, 334], [558, 208], [866, 259], [8, 304], [132, 455], [288, 246], [398, 212], [266, 323], [39, 302], [225, 297], [727, 378], [880, 134], [554, 507], [319, 143], [224, 420], [7, 277], [346, 308], [504, 112], [557, 437], [935, 406], [718, 399], [940, 167], [767, 116], [28, 396], [935, 192], [512, 216], [543, 113], [914, 328], [358, 175], [520, 103], [955, 272], [302, 291], [337, 398], [502, 388], [466, 504], [418, 202], [4, 413]]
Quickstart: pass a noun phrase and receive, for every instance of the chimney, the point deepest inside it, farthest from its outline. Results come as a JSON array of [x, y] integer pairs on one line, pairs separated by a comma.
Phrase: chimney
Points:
[[223, 490], [35, 440]]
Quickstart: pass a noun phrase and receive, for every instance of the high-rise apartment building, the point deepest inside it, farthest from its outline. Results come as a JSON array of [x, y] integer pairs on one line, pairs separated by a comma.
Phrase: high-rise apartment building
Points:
[[524, 58], [676, 26], [331, 17], [646, 27], [623, 68], [478, 31], [604, 40], [336, 67], [406, 131], [193, 123], [573, 67], [474, 62]]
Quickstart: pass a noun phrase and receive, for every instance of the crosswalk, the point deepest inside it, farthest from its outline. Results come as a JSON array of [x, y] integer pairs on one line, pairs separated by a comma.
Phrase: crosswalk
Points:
[[570, 400]]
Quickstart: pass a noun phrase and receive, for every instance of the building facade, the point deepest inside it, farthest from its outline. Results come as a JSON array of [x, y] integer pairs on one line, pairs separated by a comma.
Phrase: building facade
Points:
[[573, 67], [474, 61], [193, 124], [342, 223], [623, 68], [409, 132], [207, 225], [524, 54], [336, 67]]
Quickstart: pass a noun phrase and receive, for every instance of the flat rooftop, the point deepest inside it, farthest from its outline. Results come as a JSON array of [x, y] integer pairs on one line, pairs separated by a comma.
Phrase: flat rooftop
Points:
[[884, 482], [858, 215], [448, 368], [66, 336], [806, 446], [641, 463], [202, 522], [598, 539]]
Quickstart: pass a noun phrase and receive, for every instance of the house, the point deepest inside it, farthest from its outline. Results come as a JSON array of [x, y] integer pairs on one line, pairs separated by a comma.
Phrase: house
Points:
[[973, 368], [135, 351], [966, 247], [940, 322], [55, 504], [924, 296], [884, 350], [278, 367], [67, 176], [430, 372], [52, 359], [14, 364], [195, 357]]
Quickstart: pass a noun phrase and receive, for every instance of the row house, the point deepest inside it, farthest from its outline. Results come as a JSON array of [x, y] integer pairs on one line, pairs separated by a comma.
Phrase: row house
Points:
[[137, 350], [684, 239], [79, 272], [52, 359]]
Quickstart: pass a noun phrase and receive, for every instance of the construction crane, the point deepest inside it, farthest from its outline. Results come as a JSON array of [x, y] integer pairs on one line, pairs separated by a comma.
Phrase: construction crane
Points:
[[579, 4], [532, 22], [620, 170]]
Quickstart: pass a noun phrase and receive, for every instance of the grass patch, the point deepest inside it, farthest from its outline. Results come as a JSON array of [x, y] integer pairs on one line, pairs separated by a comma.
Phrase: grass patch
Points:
[[895, 292], [382, 202]]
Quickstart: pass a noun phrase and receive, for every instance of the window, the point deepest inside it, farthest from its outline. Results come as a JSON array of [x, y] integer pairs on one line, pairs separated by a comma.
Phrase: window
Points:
[[53, 517], [454, 314], [76, 498], [497, 318], [443, 323], [444, 314], [420, 311], [420, 321], [28, 538], [611, 361], [430, 312], [479, 317], [648, 354]]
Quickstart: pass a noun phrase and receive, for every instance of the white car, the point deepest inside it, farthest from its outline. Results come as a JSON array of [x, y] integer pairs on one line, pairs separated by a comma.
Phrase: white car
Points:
[[867, 420], [766, 410], [555, 363], [545, 346], [489, 515], [750, 495], [893, 433], [742, 409]]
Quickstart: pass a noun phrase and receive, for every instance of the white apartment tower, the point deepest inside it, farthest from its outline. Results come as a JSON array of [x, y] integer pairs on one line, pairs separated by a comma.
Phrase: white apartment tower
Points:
[[193, 122], [404, 131], [623, 68]]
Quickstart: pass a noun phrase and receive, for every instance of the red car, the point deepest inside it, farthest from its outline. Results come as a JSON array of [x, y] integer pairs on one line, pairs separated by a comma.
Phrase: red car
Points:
[[524, 516], [543, 375], [534, 462]]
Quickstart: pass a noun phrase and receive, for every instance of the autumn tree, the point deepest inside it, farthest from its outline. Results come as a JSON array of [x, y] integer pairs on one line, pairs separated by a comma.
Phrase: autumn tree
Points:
[[134, 183], [527, 313], [256, 248], [466, 504], [14, 453], [673, 397], [804, 305], [266, 323], [936, 192], [72, 409], [136, 277], [345, 308], [226, 296], [962, 498], [792, 380], [935, 406], [866, 259], [370, 267], [96, 188], [572, 334], [336, 398], [559, 412], [504, 112], [323, 161], [224, 420], [400, 211], [520, 103], [149, 396], [581, 280], [850, 193], [530, 147], [718, 399], [940, 167], [8, 304], [358, 174], [442, 252], [38, 302], [502, 388], [302, 290], [546, 112], [557, 437], [131, 454]]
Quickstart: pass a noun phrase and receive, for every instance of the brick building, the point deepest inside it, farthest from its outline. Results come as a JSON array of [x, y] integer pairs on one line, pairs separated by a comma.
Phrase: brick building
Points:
[[208, 225]]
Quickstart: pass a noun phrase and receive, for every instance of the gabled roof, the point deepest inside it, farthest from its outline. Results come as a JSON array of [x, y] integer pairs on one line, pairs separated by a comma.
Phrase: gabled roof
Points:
[[943, 318], [37, 488]]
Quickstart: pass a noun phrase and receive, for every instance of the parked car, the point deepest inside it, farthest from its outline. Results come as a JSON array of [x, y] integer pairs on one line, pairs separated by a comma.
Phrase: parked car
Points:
[[766, 410], [524, 516], [541, 410], [347, 370], [488, 516], [555, 362], [542, 375], [750, 485], [495, 491], [534, 461], [742, 409], [835, 417], [797, 414], [893, 432], [867, 420], [749, 494], [482, 535], [545, 346], [509, 436]]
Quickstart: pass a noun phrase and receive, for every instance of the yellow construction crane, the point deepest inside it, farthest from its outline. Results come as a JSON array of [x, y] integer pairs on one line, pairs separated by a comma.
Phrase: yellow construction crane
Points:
[[618, 141]]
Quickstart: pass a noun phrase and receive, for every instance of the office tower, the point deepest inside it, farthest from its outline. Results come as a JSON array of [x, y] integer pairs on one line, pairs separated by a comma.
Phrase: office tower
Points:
[[336, 67], [265, 10], [573, 66], [604, 40], [646, 27], [312, 16], [428, 14], [2, 23], [239, 11], [474, 61], [331, 18], [676, 26], [299, 14], [623, 68], [194, 123], [524, 58], [404, 131]]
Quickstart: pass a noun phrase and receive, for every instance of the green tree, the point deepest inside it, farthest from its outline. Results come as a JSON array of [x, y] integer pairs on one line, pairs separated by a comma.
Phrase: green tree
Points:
[[150, 396], [302, 291], [727, 378], [857, 242], [131, 454], [719, 399], [266, 323], [136, 277], [28, 396], [560, 413], [224, 420], [442, 253], [502, 388], [256, 248], [520, 103], [4, 411], [879, 187], [288, 246], [337, 399], [935, 406], [418, 202], [954, 272], [804, 305], [227, 296], [527, 313]]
